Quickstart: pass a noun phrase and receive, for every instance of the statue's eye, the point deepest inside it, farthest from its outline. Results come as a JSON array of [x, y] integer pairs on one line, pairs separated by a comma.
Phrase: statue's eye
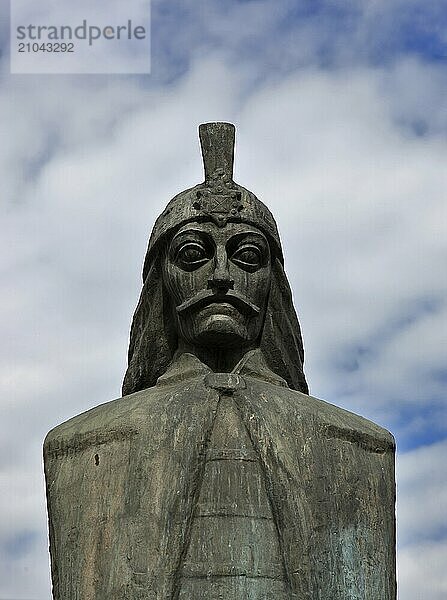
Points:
[[191, 255], [248, 257]]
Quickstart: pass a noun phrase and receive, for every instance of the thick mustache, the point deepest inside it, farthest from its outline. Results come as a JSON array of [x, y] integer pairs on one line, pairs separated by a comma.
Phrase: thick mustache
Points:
[[206, 297]]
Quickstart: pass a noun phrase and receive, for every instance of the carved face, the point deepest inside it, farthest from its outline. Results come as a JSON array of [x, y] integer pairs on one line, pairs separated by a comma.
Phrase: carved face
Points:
[[219, 281]]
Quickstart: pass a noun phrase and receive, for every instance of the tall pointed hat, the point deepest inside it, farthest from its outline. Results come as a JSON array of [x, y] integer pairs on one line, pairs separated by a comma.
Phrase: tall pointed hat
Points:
[[218, 198], [153, 338]]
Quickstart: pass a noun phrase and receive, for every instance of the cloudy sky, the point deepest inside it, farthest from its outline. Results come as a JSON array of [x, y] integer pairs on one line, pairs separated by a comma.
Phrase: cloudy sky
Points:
[[342, 130]]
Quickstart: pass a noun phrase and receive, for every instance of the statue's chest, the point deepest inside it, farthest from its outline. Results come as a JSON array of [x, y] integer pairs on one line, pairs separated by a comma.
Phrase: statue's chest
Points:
[[233, 548]]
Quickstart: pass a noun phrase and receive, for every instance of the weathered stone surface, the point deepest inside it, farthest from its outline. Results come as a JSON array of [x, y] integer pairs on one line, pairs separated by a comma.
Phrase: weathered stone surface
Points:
[[219, 477], [233, 535]]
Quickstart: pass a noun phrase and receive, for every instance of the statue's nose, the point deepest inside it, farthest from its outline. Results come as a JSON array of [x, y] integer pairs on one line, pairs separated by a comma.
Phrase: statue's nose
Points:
[[221, 280]]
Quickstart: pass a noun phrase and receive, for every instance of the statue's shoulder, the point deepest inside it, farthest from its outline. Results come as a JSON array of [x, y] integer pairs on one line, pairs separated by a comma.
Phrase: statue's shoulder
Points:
[[119, 416], [344, 424], [334, 421], [349, 426]]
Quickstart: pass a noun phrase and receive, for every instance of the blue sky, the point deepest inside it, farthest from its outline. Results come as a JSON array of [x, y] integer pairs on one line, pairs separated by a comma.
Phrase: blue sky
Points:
[[342, 122]]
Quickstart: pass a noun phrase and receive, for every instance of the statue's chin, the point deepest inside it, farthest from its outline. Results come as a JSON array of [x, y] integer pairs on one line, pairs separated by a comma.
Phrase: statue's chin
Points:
[[223, 331], [218, 325], [218, 330]]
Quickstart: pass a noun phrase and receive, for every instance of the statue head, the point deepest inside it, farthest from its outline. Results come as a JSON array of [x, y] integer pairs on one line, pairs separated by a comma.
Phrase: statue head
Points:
[[218, 279], [213, 277]]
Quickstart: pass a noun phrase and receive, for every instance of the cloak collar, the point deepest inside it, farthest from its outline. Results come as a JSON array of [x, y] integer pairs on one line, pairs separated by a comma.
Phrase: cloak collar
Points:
[[187, 366]]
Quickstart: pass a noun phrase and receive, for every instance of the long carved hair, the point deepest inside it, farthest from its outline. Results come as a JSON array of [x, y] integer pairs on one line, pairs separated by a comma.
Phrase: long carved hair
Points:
[[153, 337]]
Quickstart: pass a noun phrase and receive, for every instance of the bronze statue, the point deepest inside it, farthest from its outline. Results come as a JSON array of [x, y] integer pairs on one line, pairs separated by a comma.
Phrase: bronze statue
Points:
[[216, 475]]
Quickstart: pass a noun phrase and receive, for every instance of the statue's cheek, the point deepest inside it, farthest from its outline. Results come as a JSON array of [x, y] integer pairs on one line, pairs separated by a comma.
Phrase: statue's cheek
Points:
[[255, 286], [181, 284], [184, 285]]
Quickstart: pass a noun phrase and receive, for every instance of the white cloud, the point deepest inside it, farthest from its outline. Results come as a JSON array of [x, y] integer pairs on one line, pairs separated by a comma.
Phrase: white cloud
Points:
[[422, 494], [422, 572], [422, 526]]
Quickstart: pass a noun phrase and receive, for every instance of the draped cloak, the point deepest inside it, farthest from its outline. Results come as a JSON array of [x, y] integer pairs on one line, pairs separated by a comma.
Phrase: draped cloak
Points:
[[124, 478]]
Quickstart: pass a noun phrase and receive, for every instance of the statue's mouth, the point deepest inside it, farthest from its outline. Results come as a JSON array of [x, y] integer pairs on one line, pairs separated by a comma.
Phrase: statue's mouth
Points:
[[207, 297]]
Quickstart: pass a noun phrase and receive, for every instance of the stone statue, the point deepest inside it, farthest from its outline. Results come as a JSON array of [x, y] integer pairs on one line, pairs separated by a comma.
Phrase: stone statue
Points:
[[216, 475]]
